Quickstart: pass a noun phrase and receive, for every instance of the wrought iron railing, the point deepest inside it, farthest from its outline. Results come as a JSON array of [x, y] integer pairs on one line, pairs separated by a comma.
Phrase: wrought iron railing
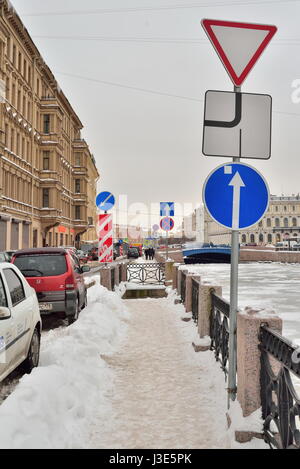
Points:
[[182, 286], [219, 330], [280, 401], [152, 273], [195, 300]]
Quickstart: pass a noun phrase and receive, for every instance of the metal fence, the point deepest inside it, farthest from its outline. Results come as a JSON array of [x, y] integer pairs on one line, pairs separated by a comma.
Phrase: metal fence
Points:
[[280, 360], [113, 278], [195, 300], [182, 286], [152, 273], [219, 330]]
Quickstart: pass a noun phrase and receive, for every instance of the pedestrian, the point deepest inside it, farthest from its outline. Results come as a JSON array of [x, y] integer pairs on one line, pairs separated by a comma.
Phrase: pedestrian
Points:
[[153, 253], [147, 253]]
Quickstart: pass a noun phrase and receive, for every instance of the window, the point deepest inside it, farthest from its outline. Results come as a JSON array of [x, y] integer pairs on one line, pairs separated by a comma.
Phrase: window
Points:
[[8, 48], [46, 123], [13, 94], [260, 224], [25, 69], [12, 140], [268, 222], [284, 208], [77, 186], [19, 100], [3, 300], [19, 61], [269, 238], [91, 222], [14, 54], [15, 286], [78, 159], [252, 239], [6, 136], [261, 238], [276, 208], [41, 265], [277, 222], [46, 198], [294, 221], [46, 160], [18, 144], [77, 212], [61, 239], [285, 222], [243, 237]]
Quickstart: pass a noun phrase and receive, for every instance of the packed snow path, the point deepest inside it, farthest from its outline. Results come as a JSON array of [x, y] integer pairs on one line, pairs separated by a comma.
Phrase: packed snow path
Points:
[[165, 395]]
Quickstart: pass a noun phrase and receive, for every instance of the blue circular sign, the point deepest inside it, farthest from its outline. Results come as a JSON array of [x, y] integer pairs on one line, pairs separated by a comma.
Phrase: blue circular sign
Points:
[[236, 195], [105, 201]]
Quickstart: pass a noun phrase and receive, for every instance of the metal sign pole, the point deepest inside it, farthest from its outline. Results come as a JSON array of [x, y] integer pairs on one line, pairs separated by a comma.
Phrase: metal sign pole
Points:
[[167, 250], [234, 270]]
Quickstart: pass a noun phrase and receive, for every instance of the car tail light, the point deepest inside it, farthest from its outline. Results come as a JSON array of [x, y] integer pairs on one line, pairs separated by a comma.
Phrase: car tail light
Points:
[[70, 283]]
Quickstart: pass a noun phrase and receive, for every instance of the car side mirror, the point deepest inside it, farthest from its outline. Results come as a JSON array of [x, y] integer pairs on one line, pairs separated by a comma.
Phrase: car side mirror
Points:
[[4, 313], [85, 268]]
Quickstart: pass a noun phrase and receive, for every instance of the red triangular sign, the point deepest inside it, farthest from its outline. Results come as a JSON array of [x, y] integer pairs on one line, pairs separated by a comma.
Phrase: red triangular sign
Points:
[[239, 45]]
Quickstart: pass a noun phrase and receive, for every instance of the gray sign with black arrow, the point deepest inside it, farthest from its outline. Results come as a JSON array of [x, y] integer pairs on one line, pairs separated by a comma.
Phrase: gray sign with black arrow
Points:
[[237, 125]]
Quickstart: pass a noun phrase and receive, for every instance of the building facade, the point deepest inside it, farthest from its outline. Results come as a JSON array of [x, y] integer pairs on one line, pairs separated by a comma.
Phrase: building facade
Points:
[[47, 172], [281, 222]]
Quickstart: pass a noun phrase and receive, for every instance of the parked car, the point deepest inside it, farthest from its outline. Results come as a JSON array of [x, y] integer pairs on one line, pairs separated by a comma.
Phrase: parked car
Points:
[[133, 253], [4, 257], [93, 254], [20, 322], [9, 255], [82, 256], [57, 278]]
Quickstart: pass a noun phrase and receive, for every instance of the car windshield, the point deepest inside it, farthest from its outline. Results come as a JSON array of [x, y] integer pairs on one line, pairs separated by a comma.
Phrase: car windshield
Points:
[[2, 257], [41, 265]]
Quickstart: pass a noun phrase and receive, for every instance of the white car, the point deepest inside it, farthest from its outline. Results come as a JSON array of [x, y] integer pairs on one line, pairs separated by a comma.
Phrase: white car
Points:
[[20, 322]]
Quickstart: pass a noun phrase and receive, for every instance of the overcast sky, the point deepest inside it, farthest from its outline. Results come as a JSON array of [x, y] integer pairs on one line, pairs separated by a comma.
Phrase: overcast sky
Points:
[[146, 138]]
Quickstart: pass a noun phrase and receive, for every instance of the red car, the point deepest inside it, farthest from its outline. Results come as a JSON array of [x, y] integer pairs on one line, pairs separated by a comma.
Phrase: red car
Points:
[[57, 278]]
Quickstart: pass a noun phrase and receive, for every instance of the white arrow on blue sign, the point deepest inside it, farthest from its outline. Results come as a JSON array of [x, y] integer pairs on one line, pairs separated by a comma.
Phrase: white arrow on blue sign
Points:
[[236, 195], [105, 201], [167, 209]]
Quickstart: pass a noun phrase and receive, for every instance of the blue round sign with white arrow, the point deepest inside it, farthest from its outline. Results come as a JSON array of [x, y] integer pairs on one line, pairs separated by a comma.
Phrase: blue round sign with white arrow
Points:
[[105, 201], [236, 195]]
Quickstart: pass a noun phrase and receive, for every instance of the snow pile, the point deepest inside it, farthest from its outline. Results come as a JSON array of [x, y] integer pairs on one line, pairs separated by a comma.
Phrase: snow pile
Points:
[[57, 404]]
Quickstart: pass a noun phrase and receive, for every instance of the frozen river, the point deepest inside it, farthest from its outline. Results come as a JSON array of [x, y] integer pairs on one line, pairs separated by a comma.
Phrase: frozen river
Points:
[[262, 285]]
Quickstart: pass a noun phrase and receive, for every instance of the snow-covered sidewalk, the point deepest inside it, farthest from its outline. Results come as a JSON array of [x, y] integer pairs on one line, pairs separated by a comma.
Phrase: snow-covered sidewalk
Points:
[[125, 375], [165, 395]]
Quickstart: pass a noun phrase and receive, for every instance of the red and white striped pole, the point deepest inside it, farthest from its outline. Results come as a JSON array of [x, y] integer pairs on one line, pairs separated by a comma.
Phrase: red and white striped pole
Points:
[[105, 250]]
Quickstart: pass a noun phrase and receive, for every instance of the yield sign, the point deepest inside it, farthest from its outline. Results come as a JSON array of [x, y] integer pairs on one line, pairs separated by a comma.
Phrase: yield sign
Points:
[[239, 45]]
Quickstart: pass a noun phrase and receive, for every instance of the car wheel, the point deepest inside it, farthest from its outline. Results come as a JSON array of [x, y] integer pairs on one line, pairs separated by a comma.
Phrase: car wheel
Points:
[[33, 356], [74, 317]]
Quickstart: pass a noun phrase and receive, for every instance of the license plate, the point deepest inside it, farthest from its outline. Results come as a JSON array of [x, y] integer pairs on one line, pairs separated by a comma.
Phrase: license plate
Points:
[[46, 307]]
